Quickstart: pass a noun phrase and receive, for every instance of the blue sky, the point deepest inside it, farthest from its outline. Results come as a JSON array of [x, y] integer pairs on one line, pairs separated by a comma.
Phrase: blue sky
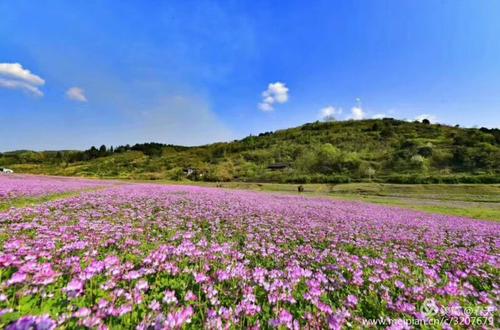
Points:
[[80, 73]]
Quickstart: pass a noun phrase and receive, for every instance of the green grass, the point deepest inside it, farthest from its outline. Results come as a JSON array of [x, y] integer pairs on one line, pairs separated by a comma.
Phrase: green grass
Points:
[[32, 201], [474, 213]]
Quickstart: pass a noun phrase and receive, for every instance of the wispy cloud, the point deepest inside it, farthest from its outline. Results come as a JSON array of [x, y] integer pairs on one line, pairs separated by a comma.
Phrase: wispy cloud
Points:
[[379, 116], [429, 117], [357, 113], [328, 113], [16, 71], [15, 84], [14, 76], [275, 93], [76, 94]]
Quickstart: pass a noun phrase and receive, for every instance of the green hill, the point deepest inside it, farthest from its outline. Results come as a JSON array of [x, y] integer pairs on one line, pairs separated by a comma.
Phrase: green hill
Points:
[[385, 150]]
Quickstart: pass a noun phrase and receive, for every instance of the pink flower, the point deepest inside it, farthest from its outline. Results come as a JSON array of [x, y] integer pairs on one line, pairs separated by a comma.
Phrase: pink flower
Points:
[[336, 321], [284, 319], [154, 305], [200, 278], [33, 322], [124, 309], [142, 285], [133, 275], [17, 278], [74, 288], [190, 296], [352, 300], [45, 275], [169, 297], [111, 261], [177, 319], [82, 312], [92, 322], [102, 304]]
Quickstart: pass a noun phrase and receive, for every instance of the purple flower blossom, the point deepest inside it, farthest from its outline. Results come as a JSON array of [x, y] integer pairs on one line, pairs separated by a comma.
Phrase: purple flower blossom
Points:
[[352, 300], [142, 285], [200, 278], [33, 322], [155, 305], [18, 277], [190, 296], [169, 297], [177, 319], [74, 288], [82, 312], [234, 255], [285, 319], [124, 309]]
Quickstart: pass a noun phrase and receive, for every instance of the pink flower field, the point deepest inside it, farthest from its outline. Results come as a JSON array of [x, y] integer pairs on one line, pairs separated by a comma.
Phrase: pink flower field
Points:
[[14, 186], [174, 257]]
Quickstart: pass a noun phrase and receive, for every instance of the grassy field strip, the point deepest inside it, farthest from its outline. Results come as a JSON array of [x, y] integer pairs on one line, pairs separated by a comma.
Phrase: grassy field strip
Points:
[[21, 202], [477, 212]]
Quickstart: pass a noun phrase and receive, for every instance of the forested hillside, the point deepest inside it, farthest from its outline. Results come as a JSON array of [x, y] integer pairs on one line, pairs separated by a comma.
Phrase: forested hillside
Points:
[[385, 150]]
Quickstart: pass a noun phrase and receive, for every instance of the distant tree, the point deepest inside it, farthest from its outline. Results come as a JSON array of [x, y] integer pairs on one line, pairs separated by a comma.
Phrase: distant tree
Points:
[[387, 131], [58, 159], [425, 151], [418, 162], [327, 159], [102, 151], [315, 152], [463, 158], [371, 172], [426, 121], [92, 153], [329, 118]]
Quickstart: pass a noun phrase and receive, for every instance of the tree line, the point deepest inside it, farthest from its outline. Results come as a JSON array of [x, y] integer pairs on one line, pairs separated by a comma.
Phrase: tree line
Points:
[[379, 150]]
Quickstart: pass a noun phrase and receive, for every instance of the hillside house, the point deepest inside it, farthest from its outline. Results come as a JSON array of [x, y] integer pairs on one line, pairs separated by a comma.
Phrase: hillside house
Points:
[[277, 166]]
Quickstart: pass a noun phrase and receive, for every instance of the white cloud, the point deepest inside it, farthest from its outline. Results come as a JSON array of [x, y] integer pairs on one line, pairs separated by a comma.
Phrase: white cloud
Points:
[[76, 94], [429, 117], [16, 84], [266, 107], [276, 93], [357, 113], [328, 113], [16, 71], [14, 76], [379, 116]]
